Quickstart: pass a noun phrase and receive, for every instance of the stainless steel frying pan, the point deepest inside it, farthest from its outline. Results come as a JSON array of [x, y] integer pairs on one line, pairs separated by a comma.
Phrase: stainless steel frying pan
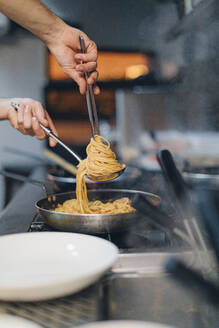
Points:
[[93, 223], [89, 223]]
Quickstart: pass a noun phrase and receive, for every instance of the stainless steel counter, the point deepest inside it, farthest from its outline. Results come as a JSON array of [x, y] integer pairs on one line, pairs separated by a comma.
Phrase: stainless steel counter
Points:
[[136, 288]]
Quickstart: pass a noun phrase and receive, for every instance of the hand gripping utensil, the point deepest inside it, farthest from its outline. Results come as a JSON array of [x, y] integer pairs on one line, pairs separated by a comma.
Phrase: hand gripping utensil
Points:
[[92, 109], [49, 133]]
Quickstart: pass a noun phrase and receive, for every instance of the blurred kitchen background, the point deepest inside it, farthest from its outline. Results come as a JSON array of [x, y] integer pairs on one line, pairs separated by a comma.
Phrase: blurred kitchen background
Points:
[[158, 72], [159, 76]]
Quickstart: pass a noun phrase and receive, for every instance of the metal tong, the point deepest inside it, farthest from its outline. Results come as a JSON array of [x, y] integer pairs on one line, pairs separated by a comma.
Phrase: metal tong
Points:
[[91, 103], [52, 135]]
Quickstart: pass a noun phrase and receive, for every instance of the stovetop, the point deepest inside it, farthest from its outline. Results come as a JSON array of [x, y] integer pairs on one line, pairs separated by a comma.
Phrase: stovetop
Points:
[[143, 237], [137, 288], [132, 241], [20, 214]]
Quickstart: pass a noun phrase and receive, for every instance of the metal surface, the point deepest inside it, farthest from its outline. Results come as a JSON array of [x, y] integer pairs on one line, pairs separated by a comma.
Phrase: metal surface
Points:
[[151, 297], [91, 104], [197, 178], [136, 288], [92, 223], [49, 133], [139, 289]]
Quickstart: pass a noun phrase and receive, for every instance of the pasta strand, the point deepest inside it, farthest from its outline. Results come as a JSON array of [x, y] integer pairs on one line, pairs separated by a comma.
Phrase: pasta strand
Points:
[[100, 161]]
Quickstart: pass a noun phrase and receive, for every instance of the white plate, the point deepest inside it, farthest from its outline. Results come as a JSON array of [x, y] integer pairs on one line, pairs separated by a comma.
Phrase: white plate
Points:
[[44, 265], [125, 324], [11, 321]]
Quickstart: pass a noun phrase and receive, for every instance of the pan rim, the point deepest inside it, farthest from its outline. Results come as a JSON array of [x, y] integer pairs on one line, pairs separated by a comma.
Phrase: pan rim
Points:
[[99, 190]]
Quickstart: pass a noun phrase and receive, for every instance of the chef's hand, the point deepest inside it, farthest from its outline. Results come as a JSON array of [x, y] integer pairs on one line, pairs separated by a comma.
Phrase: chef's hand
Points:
[[61, 39], [65, 46], [28, 118]]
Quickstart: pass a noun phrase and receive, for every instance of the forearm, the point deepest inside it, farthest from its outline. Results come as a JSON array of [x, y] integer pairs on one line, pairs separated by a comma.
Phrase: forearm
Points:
[[61, 39], [34, 16]]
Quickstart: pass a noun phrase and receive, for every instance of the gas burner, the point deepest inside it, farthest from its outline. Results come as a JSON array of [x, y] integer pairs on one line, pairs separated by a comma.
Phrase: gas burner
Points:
[[136, 240], [37, 226]]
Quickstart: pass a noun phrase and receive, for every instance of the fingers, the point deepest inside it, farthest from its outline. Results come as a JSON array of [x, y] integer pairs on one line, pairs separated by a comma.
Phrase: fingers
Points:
[[29, 116], [96, 90], [38, 132], [89, 67], [92, 77], [52, 142], [24, 120], [87, 63], [40, 113], [79, 78], [12, 117], [20, 117], [91, 53]]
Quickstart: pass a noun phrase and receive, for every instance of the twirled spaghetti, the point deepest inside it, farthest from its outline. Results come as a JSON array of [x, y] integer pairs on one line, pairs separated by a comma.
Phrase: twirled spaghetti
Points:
[[100, 162]]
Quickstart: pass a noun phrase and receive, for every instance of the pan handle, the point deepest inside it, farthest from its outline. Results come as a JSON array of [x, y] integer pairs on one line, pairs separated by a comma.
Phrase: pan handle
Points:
[[47, 188]]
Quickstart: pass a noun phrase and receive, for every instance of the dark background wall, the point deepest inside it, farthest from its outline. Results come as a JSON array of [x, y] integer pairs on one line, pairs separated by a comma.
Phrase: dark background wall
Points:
[[134, 24]]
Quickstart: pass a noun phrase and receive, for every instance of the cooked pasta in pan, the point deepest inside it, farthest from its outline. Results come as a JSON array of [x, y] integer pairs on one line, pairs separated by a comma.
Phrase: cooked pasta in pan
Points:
[[100, 161]]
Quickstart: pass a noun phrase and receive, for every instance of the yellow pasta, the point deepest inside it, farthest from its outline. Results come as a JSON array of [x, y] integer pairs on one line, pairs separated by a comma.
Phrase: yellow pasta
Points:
[[100, 161]]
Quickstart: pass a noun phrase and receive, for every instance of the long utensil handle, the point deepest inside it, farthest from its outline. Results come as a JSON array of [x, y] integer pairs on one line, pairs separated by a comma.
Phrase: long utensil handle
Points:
[[60, 161], [90, 87], [175, 183], [52, 135], [88, 98], [91, 103], [89, 107], [182, 201]]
